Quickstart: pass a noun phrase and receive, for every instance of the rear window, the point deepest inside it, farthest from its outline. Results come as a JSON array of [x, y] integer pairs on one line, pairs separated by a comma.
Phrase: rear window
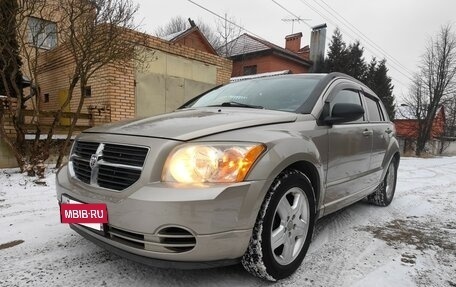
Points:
[[374, 110], [278, 93]]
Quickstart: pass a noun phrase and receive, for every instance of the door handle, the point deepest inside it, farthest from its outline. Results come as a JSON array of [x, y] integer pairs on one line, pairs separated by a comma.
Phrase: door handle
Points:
[[367, 132], [388, 131]]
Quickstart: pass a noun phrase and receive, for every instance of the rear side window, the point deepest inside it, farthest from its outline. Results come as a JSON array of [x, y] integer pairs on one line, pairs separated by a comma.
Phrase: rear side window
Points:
[[375, 114]]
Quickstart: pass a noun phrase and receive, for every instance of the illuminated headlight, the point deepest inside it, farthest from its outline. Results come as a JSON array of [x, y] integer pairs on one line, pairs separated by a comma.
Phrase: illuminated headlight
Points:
[[211, 162]]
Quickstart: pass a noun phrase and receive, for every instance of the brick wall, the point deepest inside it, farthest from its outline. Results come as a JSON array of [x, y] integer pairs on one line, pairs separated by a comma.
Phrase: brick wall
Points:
[[268, 63], [194, 40], [113, 87], [408, 128]]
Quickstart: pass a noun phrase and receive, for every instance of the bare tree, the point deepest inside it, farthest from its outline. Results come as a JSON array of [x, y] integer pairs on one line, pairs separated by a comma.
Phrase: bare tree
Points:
[[175, 24], [435, 81], [23, 34], [96, 33], [208, 32], [99, 33], [450, 122], [228, 31]]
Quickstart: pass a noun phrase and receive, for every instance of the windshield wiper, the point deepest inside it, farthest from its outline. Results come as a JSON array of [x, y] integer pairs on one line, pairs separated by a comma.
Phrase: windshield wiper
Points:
[[241, 105]]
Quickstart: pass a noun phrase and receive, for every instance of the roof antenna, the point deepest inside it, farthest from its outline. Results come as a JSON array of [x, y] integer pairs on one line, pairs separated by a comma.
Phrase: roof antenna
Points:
[[293, 20]]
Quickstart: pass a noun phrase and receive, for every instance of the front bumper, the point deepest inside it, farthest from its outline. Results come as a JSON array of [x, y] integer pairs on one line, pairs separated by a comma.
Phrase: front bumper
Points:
[[106, 244], [219, 217]]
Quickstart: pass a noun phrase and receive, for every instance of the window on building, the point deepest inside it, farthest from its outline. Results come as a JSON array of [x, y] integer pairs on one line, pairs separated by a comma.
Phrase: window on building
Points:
[[250, 70], [42, 33], [87, 92], [46, 98]]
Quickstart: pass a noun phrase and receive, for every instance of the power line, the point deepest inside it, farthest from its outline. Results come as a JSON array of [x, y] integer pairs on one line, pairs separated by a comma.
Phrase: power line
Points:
[[224, 18], [294, 15], [361, 34], [291, 13], [392, 65]]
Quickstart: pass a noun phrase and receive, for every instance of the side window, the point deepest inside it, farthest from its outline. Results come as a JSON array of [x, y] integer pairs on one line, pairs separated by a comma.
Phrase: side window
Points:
[[250, 70], [42, 33], [348, 97], [373, 107]]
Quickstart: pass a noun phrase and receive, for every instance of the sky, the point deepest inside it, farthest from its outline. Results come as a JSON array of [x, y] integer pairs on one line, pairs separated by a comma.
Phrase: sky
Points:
[[397, 30]]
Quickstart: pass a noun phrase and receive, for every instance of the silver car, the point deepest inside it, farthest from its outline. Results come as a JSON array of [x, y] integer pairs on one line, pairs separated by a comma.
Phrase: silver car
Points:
[[238, 174]]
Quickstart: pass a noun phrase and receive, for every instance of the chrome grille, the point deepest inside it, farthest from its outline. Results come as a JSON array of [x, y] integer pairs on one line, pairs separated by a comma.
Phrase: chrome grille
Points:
[[124, 154], [85, 149], [117, 178], [82, 169], [113, 166]]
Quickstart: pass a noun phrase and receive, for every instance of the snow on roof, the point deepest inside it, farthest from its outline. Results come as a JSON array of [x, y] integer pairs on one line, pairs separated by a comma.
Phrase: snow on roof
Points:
[[262, 75], [172, 36], [405, 112]]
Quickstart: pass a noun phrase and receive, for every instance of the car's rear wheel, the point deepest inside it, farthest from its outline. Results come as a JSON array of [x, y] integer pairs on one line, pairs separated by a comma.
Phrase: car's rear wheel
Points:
[[283, 229], [384, 193]]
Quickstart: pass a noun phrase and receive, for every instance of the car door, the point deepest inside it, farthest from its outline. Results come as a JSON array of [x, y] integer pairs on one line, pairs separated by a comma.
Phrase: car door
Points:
[[382, 132], [349, 150]]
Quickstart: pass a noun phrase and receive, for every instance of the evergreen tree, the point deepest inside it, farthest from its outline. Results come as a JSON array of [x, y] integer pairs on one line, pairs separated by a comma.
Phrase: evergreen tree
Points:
[[382, 86], [370, 73], [10, 61], [337, 60], [357, 67], [350, 60]]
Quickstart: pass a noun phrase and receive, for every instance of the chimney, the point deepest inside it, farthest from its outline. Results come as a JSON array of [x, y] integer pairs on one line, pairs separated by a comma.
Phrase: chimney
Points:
[[293, 42], [317, 46]]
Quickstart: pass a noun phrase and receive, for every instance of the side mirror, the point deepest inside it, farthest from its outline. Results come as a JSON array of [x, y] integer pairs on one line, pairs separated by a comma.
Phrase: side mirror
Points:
[[344, 112]]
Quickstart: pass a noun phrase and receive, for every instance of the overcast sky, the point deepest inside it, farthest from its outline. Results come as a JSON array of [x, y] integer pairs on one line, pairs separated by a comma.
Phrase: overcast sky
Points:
[[401, 28]]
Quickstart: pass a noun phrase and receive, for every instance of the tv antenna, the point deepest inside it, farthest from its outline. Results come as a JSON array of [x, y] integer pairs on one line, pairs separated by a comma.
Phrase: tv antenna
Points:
[[293, 20]]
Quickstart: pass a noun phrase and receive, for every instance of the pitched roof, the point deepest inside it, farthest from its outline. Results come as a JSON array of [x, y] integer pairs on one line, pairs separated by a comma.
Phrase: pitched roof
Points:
[[174, 37], [247, 44], [405, 112]]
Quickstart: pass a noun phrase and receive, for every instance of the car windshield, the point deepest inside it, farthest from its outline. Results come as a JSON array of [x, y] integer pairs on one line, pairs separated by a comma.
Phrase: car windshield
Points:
[[283, 93]]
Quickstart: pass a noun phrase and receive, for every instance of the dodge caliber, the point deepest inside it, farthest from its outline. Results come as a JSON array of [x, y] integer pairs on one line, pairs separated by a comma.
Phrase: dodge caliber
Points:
[[239, 174]]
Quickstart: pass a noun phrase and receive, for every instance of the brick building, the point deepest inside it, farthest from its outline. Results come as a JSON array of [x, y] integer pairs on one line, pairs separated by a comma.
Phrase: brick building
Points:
[[406, 125], [191, 37], [252, 55], [170, 73]]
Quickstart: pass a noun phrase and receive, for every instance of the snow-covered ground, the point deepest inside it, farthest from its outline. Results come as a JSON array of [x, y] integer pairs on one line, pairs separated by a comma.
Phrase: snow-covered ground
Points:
[[412, 242]]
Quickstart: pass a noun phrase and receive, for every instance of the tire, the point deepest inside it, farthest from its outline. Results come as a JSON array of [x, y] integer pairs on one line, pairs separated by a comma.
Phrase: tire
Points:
[[288, 215], [384, 193]]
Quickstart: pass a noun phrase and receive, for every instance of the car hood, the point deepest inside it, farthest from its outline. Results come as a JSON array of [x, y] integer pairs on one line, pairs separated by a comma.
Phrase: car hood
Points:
[[194, 123]]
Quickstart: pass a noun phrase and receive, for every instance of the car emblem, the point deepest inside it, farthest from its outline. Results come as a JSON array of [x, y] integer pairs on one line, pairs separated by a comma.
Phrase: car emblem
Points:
[[93, 160]]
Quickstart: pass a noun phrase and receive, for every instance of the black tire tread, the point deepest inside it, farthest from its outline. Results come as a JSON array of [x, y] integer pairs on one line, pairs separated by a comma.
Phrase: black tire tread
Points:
[[378, 197], [252, 260]]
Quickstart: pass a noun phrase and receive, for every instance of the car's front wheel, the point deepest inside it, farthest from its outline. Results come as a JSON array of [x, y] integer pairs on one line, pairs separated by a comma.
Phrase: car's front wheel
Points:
[[283, 229]]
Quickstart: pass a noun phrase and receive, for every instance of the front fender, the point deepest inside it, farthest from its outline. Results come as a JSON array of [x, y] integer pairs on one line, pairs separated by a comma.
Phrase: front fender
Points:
[[282, 154]]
